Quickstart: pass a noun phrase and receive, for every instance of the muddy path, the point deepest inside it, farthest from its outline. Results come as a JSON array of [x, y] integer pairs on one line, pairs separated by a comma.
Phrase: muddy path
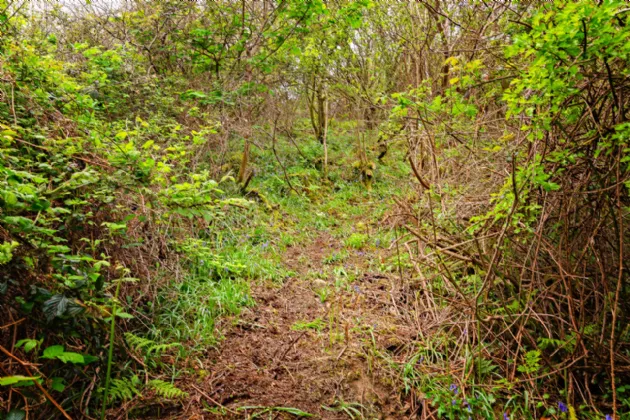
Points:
[[316, 343]]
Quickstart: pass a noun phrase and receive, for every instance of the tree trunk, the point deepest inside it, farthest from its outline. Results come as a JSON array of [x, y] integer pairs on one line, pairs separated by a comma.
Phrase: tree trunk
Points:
[[244, 161]]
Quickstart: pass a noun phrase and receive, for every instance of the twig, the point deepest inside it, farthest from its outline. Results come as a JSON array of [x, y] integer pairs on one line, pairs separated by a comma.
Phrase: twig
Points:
[[275, 153], [418, 177], [19, 321], [37, 384], [212, 400], [617, 293]]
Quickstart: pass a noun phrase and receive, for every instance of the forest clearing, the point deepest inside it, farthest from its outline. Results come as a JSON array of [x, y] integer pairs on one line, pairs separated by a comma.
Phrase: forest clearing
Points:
[[329, 209]]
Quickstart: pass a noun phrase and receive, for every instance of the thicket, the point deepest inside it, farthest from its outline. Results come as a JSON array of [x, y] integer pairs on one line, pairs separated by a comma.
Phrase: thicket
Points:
[[128, 141]]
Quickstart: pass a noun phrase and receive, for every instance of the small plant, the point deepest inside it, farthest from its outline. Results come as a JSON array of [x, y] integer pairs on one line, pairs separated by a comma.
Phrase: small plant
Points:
[[166, 389], [342, 278], [147, 346], [531, 363], [260, 410], [353, 410], [336, 257], [323, 293], [317, 324], [124, 389], [357, 240]]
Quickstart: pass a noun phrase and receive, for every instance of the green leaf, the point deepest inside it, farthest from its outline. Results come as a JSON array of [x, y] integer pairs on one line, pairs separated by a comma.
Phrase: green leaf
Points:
[[125, 315], [55, 306], [88, 358], [58, 249], [57, 384], [10, 199], [10, 380], [53, 352], [58, 352], [28, 343], [69, 357], [22, 223], [16, 414]]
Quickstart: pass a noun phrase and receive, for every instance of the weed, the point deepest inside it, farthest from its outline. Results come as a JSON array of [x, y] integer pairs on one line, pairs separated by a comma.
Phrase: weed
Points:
[[336, 257], [353, 410], [191, 317], [323, 293], [316, 325], [357, 240], [265, 410]]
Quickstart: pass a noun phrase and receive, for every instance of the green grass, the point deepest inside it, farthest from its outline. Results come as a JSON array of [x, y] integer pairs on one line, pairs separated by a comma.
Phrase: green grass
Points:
[[189, 313], [354, 411], [222, 263], [317, 324]]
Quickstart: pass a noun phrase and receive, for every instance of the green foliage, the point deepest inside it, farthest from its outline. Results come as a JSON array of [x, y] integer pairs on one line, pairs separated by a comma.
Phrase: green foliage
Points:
[[317, 324], [146, 346], [323, 293], [336, 257], [120, 138], [128, 388], [6, 251], [124, 389], [58, 352], [74, 168], [531, 364], [166, 389], [357, 240], [352, 410], [260, 410], [28, 344], [15, 379]]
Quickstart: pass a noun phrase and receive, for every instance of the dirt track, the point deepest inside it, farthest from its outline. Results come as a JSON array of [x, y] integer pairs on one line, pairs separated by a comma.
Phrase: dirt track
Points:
[[264, 362]]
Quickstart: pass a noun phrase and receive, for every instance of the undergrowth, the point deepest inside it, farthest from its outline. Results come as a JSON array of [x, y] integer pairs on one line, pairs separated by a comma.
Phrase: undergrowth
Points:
[[158, 162]]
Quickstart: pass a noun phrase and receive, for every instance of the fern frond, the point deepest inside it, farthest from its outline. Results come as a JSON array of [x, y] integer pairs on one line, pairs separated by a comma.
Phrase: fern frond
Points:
[[147, 345], [122, 390], [138, 343], [160, 348], [166, 389]]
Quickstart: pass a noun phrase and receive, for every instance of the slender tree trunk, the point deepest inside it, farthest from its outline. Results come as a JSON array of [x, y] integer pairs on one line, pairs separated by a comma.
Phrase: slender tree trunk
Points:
[[322, 112], [244, 162], [323, 117]]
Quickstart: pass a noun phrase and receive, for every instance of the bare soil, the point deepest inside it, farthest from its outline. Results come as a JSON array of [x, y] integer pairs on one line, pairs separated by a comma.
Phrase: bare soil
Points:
[[264, 362]]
